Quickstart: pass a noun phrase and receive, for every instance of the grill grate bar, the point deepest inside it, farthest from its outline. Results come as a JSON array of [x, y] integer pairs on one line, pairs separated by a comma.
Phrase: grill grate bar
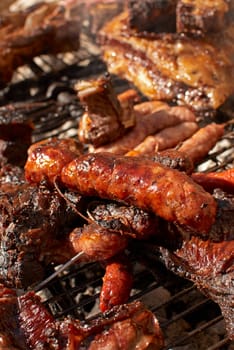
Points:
[[199, 329], [219, 344], [185, 313]]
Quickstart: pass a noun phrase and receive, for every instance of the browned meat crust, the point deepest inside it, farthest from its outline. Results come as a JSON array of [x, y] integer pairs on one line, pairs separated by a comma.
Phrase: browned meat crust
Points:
[[201, 17], [145, 184], [44, 28], [195, 72], [152, 15], [209, 264], [26, 324]]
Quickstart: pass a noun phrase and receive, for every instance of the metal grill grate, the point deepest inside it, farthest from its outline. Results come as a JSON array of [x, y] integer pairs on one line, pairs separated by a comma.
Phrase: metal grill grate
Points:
[[189, 320]]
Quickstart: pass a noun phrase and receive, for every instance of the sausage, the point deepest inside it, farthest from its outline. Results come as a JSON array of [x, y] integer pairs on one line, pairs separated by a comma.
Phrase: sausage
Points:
[[199, 145], [117, 283], [210, 181], [46, 158], [166, 192], [167, 138]]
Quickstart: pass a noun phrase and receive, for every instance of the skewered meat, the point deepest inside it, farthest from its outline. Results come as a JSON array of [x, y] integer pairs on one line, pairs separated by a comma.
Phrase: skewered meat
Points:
[[102, 119], [151, 117], [117, 282], [34, 221], [194, 72], [43, 28], [210, 181], [145, 184], [27, 324], [47, 158], [96, 242], [201, 17], [199, 145], [167, 138], [152, 15]]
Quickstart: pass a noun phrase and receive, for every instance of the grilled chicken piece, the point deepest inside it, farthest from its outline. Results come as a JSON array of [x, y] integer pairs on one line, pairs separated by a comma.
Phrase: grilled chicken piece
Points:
[[209, 264], [194, 72], [152, 15], [203, 16], [46, 28]]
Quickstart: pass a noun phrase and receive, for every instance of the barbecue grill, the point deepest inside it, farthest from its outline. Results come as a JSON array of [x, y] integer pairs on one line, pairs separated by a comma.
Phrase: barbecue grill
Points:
[[188, 319]]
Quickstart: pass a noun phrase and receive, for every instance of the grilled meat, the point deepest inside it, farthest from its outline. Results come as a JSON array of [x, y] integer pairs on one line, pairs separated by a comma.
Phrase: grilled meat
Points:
[[194, 72], [209, 264], [210, 181], [26, 324], [101, 121], [115, 293], [45, 28], [151, 117], [47, 158], [141, 182], [34, 221], [152, 15], [15, 135], [136, 222], [201, 142], [201, 17]]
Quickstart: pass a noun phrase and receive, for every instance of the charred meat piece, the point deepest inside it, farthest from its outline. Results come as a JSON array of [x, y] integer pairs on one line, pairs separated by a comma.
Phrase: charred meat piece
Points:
[[152, 15], [47, 158], [209, 264], [45, 28], [194, 72], [15, 135], [101, 121], [174, 159], [133, 221], [151, 186], [201, 17], [34, 222]]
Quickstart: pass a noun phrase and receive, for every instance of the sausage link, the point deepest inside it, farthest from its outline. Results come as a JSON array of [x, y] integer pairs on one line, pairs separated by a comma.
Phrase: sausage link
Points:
[[166, 192]]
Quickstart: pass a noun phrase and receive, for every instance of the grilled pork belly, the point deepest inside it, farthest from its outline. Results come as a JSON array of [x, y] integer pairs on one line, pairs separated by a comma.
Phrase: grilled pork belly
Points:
[[204, 16], [46, 28], [194, 72]]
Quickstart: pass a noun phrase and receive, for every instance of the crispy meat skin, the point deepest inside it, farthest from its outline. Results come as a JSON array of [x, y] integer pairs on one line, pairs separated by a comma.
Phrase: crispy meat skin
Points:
[[33, 222], [145, 184], [152, 15], [209, 264], [204, 16], [194, 72], [43, 28]]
